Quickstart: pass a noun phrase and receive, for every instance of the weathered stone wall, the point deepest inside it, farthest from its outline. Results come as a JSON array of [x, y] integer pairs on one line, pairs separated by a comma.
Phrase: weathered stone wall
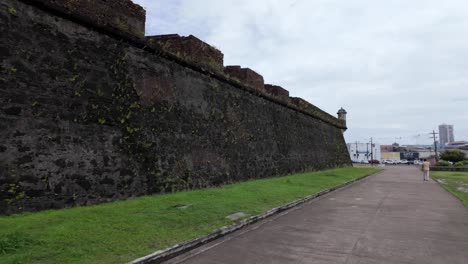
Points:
[[277, 91], [247, 76], [86, 117], [119, 15], [192, 49]]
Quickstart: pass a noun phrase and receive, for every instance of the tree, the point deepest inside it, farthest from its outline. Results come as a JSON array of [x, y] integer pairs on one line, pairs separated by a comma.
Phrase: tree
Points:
[[453, 155]]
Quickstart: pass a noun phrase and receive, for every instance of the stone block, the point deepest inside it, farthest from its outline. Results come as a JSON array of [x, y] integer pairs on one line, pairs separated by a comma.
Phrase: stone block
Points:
[[237, 216]]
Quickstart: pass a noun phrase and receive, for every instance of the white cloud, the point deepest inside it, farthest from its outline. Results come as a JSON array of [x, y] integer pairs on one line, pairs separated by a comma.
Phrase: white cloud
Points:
[[398, 67]]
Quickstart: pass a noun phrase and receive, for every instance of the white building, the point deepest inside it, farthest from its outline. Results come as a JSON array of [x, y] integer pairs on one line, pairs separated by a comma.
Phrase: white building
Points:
[[446, 134], [363, 152]]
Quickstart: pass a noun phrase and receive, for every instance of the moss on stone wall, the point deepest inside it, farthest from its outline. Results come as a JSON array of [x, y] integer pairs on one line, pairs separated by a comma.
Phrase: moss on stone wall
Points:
[[87, 118]]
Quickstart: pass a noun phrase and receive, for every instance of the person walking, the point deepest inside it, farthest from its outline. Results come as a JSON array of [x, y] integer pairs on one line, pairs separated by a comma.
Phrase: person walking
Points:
[[425, 169]]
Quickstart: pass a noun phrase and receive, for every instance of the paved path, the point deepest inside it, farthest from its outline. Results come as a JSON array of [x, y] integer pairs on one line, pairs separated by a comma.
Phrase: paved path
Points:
[[393, 217]]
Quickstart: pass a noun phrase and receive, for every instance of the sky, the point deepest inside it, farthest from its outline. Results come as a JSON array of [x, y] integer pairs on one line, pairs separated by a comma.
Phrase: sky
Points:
[[399, 68]]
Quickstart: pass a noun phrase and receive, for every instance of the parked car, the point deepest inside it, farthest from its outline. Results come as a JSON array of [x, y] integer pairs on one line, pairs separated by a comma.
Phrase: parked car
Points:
[[374, 162], [387, 161], [417, 162], [361, 161], [403, 161]]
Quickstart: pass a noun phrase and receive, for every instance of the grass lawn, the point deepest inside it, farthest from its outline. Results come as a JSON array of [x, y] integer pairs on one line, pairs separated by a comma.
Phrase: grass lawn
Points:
[[454, 182], [121, 231]]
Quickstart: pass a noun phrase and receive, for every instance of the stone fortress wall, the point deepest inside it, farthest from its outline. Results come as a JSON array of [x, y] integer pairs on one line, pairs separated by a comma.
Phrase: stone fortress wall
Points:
[[92, 111]]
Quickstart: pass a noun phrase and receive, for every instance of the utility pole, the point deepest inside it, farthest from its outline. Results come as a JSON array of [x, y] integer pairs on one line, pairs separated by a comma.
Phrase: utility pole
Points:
[[435, 144], [367, 151], [357, 152], [372, 151]]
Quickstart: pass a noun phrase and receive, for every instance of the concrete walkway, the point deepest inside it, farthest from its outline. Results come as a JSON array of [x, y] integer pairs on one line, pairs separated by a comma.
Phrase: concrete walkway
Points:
[[393, 217]]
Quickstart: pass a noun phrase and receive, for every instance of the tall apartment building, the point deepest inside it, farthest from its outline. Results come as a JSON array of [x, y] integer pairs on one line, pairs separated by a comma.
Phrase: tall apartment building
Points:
[[446, 134]]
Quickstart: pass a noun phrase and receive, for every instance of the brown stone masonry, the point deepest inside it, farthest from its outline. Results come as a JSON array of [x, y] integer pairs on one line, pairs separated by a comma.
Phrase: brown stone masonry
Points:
[[246, 76], [90, 113], [277, 91], [313, 110], [125, 20], [192, 49], [121, 15]]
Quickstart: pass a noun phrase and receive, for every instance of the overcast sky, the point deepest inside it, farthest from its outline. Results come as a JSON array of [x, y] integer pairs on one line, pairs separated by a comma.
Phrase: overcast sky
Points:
[[400, 68]]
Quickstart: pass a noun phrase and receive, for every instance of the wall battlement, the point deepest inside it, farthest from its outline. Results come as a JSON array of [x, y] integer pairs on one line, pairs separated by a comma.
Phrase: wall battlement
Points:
[[120, 15], [277, 91], [191, 48], [246, 76]]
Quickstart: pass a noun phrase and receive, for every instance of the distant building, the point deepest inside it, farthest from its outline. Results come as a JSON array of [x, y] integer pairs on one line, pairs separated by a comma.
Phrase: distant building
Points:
[[417, 148], [390, 155], [407, 152], [386, 148], [426, 154], [457, 145], [446, 134], [363, 152]]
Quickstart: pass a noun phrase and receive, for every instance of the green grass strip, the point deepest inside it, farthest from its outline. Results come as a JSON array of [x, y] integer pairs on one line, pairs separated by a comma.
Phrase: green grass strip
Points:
[[454, 182], [119, 232]]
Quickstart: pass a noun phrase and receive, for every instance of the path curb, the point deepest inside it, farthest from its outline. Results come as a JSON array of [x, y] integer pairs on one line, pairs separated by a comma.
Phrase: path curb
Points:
[[178, 249]]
